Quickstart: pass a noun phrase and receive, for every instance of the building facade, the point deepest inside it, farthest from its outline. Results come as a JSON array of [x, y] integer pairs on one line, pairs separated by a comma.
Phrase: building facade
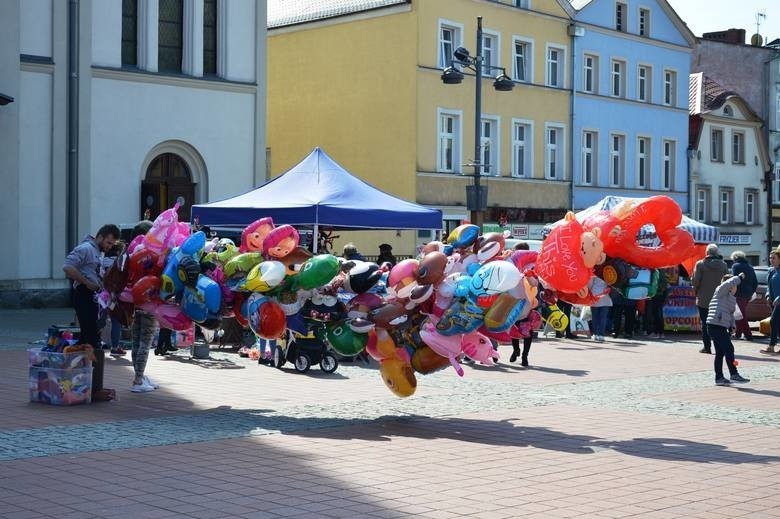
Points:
[[728, 163], [630, 115], [373, 98], [120, 108], [752, 71]]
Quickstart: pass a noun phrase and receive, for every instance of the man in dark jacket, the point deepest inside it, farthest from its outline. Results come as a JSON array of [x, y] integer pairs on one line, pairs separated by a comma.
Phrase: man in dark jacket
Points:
[[707, 275], [745, 292]]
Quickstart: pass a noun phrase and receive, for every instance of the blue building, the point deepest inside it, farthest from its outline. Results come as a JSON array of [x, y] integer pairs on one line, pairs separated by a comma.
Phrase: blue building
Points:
[[630, 101]]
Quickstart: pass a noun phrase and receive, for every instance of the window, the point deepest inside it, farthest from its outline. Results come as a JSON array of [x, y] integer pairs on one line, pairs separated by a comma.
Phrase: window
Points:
[[667, 180], [727, 111], [489, 147], [490, 56], [554, 147], [776, 184], [642, 161], [449, 40], [702, 204], [716, 145], [130, 32], [751, 198], [590, 73], [618, 78], [210, 37], [644, 81], [169, 44], [620, 17], [644, 22], [521, 149], [555, 67], [617, 160], [670, 87], [589, 147], [449, 142], [522, 64], [738, 147], [725, 206], [524, 4]]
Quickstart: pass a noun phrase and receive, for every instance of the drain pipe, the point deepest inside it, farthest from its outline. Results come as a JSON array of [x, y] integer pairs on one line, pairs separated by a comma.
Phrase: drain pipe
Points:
[[73, 123]]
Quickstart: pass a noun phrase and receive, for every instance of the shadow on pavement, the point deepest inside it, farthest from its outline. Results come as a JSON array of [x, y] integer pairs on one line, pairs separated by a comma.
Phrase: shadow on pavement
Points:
[[507, 433], [760, 392]]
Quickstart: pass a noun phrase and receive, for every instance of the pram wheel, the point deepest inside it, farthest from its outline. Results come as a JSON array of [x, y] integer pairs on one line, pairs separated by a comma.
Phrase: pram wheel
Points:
[[278, 359], [302, 363], [329, 364]]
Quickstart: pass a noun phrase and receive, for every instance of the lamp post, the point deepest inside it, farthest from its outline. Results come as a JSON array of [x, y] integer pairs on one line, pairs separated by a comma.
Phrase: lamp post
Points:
[[476, 195]]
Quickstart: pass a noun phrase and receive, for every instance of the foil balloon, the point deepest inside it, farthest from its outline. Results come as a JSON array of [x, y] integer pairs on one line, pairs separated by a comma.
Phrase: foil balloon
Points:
[[317, 271], [398, 376], [362, 277], [280, 242], [403, 278], [253, 235], [240, 264], [146, 290], [264, 276], [462, 237], [345, 341], [431, 268]]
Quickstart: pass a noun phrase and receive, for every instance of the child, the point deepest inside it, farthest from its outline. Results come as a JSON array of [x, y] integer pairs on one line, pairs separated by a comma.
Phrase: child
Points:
[[720, 322]]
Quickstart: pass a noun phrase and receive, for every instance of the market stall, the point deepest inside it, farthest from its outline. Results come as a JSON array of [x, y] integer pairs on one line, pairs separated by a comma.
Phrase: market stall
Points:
[[319, 192]]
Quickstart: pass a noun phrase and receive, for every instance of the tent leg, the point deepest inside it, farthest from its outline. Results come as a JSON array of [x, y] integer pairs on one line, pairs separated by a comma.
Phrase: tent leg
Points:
[[315, 237]]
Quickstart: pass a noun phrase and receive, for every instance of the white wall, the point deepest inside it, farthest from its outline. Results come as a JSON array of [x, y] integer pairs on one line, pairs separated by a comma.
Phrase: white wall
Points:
[[130, 118], [107, 33], [240, 56], [35, 175], [35, 18]]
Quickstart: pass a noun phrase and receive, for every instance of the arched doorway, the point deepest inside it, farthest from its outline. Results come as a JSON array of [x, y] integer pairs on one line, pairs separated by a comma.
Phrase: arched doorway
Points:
[[168, 177]]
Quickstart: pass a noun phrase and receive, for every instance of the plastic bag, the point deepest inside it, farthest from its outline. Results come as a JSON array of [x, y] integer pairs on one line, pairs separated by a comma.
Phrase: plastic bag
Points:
[[738, 314]]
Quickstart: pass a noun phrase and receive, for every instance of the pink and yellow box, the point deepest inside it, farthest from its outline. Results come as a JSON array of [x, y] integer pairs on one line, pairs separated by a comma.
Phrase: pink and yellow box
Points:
[[60, 378]]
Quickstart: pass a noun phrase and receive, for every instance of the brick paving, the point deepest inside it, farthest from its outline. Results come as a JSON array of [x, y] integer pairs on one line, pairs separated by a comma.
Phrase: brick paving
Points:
[[620, 429]]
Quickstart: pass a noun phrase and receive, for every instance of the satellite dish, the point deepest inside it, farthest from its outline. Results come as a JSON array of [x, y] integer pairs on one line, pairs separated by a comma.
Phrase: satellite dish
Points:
[[756, 40]]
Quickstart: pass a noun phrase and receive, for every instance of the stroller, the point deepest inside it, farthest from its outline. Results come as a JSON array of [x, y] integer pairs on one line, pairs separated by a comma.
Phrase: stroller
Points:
[[304, 350]]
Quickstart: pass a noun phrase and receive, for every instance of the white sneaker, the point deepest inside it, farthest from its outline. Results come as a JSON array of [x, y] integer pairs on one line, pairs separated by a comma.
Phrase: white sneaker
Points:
[[141, 388], [149, 382]]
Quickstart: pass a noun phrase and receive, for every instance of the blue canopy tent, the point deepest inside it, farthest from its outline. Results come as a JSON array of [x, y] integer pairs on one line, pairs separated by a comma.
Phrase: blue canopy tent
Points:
[[319, 192]]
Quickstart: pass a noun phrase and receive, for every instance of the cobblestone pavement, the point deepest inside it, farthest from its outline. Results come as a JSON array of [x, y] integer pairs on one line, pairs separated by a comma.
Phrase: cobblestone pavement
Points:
[[620, 429]]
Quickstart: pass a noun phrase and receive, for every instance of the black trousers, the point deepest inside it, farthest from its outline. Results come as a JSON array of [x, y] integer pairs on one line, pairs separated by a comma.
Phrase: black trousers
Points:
[[87, 314]]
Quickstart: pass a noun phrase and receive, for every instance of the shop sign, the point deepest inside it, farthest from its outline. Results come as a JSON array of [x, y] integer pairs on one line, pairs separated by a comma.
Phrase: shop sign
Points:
[[734, 239]]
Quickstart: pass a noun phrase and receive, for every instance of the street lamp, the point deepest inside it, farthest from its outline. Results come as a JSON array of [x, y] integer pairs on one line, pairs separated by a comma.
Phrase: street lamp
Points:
[[476, 195]]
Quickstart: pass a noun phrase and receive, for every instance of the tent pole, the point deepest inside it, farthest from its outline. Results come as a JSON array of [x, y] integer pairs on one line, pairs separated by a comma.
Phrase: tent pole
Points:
[[315, 238]]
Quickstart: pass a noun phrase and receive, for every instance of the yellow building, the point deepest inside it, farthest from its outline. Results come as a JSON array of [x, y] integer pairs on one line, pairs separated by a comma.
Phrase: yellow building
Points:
[[363, 81]]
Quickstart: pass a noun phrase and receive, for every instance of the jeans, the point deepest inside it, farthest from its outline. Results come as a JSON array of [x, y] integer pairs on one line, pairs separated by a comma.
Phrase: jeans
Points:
[[743, 327], [599, 315], [723, 348], [657, 314], [87, 314], [774, 323], [618, 311], [705, 336]]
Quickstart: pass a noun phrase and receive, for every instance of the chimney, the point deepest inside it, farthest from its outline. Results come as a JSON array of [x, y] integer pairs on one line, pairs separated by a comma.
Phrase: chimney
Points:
[[736, 36]]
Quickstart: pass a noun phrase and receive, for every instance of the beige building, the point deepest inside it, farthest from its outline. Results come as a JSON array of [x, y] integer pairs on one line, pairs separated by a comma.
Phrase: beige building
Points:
[[363, 81]]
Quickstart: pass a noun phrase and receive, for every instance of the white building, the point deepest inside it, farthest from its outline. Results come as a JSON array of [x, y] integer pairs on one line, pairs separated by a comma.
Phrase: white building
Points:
[[728, 161], [120, 106]]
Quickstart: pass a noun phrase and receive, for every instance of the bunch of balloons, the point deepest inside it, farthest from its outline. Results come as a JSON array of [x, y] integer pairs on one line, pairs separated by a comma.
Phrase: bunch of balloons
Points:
[[419, 316]]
